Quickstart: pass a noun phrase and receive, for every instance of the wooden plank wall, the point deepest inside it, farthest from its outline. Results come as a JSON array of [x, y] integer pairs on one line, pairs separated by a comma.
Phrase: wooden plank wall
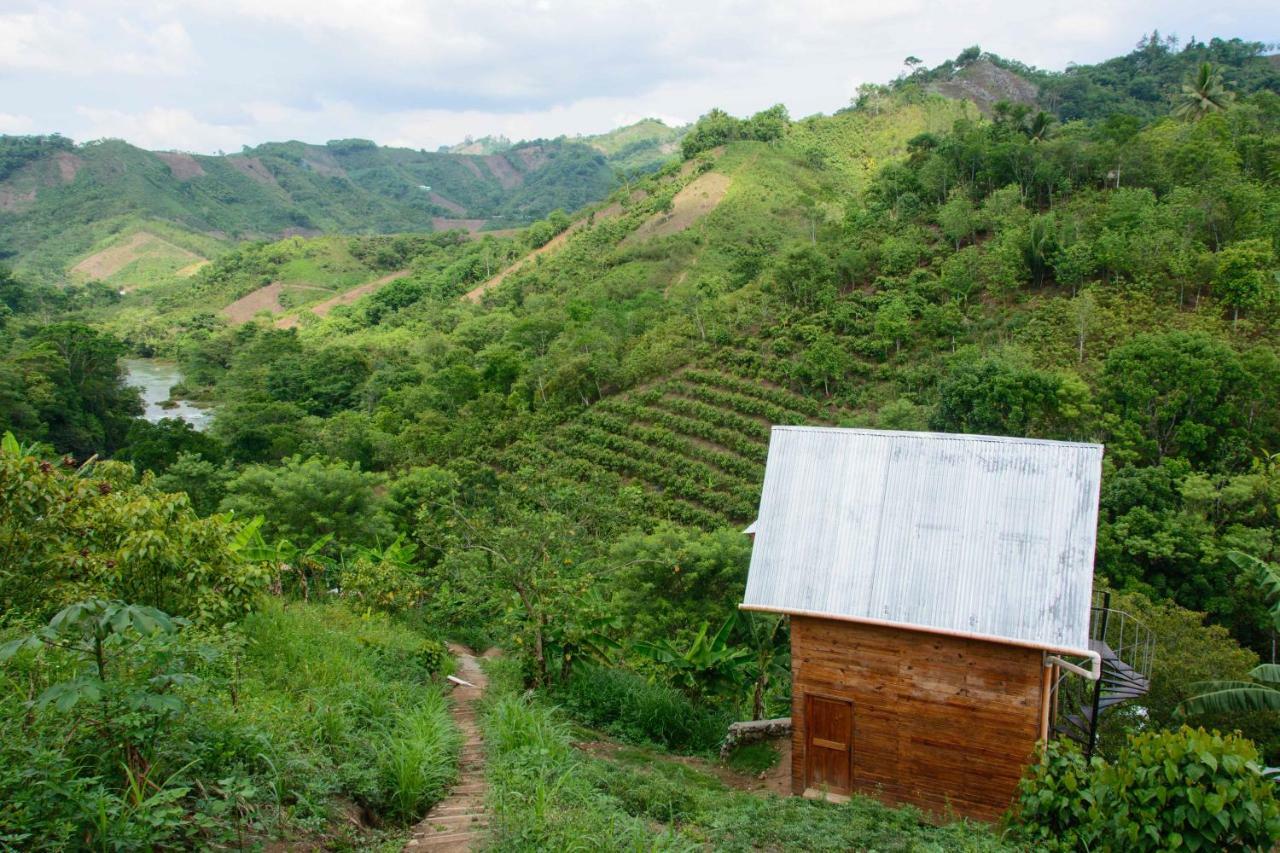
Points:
[[945, 723]]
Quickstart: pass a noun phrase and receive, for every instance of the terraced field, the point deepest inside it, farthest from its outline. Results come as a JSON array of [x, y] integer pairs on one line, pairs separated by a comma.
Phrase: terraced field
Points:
[[696, 443]]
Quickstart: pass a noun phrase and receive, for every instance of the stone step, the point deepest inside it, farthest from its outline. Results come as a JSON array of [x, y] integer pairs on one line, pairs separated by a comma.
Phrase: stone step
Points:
[[429, 842], [453, 823], [451, 810]]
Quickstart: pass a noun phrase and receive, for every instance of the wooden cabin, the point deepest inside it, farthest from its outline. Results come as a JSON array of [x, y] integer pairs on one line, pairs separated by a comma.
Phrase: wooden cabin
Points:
[[934, 585]]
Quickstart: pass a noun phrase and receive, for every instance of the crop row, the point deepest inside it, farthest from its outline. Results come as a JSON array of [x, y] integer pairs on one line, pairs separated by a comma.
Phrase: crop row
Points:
[[581, 472], [721, 418], [661, 436], [758, 390], [668, 479], [692, 469], [750, 447], [739, 403]]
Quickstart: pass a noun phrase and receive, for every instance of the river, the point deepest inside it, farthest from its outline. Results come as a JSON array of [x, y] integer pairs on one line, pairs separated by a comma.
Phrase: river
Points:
[[155, 378]]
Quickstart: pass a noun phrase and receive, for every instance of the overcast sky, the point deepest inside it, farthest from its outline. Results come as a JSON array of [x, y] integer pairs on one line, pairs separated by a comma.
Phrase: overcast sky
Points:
[[208, 75]]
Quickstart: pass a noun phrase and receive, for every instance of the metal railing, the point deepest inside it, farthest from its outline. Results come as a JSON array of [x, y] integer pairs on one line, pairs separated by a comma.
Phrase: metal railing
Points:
[[1130, 640]]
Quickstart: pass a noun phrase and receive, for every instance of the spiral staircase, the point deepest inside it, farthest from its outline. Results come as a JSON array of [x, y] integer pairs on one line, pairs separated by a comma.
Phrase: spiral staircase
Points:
[[1126, 648]]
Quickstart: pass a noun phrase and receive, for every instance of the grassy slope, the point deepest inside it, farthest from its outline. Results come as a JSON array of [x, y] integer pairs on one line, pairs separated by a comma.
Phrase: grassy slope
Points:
[[311, 717], [546, 794]]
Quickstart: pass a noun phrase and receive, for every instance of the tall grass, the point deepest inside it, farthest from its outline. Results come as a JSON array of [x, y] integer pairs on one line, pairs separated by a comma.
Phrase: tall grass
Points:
[[547, 795], [302, 714], [416, 759], [540, 796], [628, 706]]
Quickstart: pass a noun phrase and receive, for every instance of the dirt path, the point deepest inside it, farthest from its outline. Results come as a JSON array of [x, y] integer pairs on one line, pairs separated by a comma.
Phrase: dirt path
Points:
[[265, 298], [550, 246], [322, 309], [458, 821]]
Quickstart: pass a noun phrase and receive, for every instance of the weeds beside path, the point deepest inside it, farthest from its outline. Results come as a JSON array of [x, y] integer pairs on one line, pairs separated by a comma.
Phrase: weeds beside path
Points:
[[458, 822]]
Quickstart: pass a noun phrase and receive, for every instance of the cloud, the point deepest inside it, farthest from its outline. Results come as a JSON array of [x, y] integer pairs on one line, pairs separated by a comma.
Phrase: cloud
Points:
[[67, 40], [161, 129], [10, 123], [1082, 27], [209, 74]]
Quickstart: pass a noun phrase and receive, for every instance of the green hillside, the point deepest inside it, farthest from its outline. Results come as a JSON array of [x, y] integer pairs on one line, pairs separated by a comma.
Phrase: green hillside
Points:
[[640, 147], [60, 201], [1133, 88], [549, 441]]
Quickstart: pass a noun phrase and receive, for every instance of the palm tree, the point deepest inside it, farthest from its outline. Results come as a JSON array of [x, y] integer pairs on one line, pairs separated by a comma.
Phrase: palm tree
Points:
[[1202, 93], [1040, 127], [1262, 691]]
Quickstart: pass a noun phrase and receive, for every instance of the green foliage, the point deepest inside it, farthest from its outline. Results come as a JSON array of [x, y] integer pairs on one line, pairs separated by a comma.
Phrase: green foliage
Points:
[[628, 706], [997, 396], [671, 579], [305, 500], [719, 128], [1202, 94], [68, 532], [273, 189], [547, 795], [1165, 790], [63, 384], [385, 578], [1186, 652], [754, 758], [227, 738], [156, 446]]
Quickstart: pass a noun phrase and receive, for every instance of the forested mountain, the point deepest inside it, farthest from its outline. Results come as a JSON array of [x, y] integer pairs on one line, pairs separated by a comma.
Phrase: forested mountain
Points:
[[63, 204], [550, 440]]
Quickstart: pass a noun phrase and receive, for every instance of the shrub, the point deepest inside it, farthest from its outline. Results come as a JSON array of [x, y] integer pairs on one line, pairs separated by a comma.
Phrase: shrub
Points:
[[630, 707], [297, 705], [1164, 790]]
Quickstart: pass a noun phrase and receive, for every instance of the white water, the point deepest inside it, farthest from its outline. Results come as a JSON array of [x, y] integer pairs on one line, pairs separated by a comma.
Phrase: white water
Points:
[[155, 378]]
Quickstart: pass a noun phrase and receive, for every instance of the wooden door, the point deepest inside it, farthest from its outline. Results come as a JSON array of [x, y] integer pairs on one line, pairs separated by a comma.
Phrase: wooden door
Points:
[[828, 744]]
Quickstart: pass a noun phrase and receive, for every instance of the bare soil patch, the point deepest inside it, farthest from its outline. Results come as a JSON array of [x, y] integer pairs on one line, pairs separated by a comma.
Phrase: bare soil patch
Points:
[[192, 269], [265, 298], [439, 223], [985, 84], [254, 168], [12, 200], [68, 166], [356, 292], [346, 298], [470, 162], [551, 245], [451, 206], [533, 157], [112, 259], [182, 166], [692, 203], [503, 171], [497, 232], [324, 163]]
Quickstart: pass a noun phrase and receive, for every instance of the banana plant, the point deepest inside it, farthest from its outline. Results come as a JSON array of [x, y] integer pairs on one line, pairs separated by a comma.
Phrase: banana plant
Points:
[[283, 556], [1262, 691], [709, 664]]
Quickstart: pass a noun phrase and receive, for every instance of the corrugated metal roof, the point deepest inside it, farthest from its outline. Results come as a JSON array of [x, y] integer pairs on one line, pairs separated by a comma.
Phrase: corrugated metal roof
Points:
[[979, 535]]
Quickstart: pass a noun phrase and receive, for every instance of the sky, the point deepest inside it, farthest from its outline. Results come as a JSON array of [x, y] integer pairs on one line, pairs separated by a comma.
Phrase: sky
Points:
[[215, 75]]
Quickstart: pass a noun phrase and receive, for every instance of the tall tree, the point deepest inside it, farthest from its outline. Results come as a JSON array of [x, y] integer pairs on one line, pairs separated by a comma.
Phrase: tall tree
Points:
[[1203, 93]]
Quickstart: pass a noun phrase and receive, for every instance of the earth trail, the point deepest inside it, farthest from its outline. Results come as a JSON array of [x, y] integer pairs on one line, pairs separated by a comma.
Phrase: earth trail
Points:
[[458, 822]]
